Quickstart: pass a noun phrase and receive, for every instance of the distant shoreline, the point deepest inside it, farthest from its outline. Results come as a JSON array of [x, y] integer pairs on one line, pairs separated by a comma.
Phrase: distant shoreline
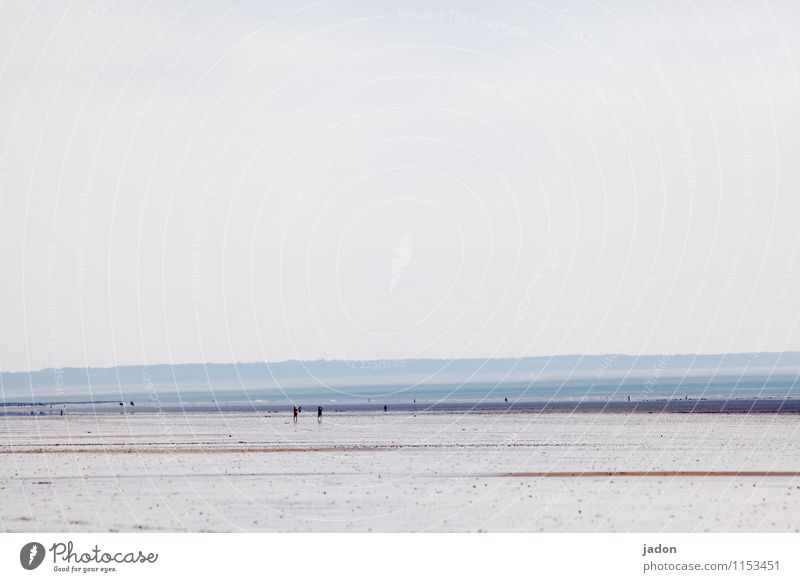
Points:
[[670, 406]]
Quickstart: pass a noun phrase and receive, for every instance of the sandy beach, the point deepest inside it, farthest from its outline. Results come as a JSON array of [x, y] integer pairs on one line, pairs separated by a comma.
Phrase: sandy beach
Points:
[[525, 472]]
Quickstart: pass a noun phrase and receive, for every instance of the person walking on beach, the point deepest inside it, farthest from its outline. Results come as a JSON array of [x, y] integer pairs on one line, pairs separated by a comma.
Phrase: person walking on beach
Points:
[[385, 408], [319, 414], [294, 414]]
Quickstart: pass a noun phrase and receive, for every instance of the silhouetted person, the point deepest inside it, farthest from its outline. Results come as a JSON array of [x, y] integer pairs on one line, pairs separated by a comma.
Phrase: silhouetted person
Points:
[[294, 414], [299, 409], [385, 408], [629, 398], [319, 414], [506, 398]]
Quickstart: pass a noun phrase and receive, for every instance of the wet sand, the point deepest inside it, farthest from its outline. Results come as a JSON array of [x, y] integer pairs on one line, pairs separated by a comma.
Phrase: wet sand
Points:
[[711, 405], [456, 471]]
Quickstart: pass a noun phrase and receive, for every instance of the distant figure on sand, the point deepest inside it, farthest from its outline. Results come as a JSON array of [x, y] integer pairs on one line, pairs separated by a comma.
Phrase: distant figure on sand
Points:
[[385, 408], [294, 414], [629, 398], [319, 414]]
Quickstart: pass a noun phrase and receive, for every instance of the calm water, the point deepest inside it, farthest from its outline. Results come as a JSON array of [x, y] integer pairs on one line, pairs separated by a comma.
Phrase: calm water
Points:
[[557, 391]]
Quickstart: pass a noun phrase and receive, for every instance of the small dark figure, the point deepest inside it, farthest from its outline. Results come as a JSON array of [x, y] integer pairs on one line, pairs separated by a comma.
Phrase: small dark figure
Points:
[[319, 414], [294, 414], [629, 398], [299, 409], [385, 408], [506, 398], [62, 412]]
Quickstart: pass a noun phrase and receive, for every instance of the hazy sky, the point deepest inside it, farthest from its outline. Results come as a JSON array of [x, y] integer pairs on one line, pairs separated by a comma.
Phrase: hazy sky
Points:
[[234, 182]]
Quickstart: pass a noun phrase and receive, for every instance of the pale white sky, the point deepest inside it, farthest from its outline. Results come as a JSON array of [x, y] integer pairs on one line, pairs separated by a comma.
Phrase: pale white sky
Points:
[[231, 182]]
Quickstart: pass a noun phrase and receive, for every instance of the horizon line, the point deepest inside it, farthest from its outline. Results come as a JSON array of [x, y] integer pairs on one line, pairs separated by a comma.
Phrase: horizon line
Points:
[[415, 359]]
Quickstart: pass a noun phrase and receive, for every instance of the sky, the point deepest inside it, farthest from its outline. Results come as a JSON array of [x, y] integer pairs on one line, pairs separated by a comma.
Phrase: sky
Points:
[[214, 181]]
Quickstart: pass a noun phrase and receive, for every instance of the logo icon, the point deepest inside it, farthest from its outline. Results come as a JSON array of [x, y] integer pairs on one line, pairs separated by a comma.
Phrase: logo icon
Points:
[[402, 257], [31, 555]]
